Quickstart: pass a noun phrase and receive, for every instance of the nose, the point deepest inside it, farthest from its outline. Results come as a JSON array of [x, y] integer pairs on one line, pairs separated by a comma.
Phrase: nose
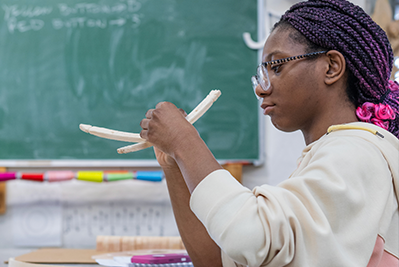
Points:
[[258, 90], [260, 93]]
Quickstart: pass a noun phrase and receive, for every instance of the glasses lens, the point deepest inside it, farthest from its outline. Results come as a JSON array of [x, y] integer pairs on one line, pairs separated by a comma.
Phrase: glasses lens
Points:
[[255, 83], [263, 77]]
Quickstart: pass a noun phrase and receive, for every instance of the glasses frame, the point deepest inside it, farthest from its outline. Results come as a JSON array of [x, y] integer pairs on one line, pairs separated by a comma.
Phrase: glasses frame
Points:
[[262, 73]]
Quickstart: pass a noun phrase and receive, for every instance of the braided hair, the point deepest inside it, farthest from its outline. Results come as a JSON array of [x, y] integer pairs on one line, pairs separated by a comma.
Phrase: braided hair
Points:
[[342, 26]]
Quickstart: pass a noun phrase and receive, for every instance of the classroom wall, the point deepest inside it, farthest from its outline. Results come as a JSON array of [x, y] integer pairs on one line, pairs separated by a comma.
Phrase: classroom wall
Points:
[[72, 214]]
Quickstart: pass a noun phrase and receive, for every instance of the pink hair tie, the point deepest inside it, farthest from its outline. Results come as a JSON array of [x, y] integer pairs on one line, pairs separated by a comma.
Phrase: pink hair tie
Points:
[[384, 112], [382, 124], [365, 112], [378, 114]]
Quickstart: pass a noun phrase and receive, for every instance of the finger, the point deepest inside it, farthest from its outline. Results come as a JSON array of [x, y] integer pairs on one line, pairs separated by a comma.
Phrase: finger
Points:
[[160, 104], [148, 114], [144, 134], [144, 124], [165, 104], [183, 112]]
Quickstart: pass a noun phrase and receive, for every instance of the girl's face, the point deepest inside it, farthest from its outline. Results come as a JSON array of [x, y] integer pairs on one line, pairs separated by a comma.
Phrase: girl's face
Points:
[[294, 99]]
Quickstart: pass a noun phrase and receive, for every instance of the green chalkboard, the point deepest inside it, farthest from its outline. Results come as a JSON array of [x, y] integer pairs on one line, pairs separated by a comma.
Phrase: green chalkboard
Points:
[[106, 62]]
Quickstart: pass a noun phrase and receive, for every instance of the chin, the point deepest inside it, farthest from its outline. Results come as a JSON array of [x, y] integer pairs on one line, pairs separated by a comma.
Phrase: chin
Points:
[[284, 127]]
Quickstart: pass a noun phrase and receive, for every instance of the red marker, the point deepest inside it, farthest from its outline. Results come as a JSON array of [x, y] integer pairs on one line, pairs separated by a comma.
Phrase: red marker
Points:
[[33, 176]]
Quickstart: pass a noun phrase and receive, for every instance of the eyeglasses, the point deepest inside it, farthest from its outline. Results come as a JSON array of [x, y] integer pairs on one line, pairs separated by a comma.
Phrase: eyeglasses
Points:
[[262, 76]]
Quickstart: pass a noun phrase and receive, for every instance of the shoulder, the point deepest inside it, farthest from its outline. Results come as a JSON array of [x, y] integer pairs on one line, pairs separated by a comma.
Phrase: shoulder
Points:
[[361, 139], [337, 148], [350, 156]]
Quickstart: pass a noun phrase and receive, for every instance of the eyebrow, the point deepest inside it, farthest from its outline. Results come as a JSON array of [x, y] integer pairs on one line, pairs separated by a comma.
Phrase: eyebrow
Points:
[[269, 56]]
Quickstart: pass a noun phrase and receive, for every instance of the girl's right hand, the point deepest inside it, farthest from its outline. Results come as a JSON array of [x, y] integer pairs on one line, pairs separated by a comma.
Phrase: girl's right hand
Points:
[[165, 160]]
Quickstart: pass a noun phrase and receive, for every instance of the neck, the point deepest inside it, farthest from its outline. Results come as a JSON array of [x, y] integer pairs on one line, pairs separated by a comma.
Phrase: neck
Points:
[[319, 127]]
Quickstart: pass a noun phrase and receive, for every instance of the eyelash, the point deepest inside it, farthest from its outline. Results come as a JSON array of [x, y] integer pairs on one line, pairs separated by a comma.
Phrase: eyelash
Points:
[[276, 67]]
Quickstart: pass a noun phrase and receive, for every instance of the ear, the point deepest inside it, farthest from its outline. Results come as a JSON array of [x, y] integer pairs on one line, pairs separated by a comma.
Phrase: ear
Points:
[[336, 67]]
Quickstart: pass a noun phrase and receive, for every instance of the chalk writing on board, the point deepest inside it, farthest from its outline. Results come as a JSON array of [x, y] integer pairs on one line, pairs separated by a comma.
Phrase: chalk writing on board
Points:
[[32, 18], [25, 12], [91, 8]]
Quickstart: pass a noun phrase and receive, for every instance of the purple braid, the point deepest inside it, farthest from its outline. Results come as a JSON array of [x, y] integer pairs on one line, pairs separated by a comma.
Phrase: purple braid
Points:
[[342, 26]]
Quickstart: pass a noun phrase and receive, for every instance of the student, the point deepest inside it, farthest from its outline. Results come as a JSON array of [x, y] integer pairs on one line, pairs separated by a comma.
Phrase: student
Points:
[[325, 63]]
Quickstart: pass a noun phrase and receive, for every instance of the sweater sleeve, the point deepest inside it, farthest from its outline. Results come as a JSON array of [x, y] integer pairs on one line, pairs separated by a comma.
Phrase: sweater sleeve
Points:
[[327, 213]]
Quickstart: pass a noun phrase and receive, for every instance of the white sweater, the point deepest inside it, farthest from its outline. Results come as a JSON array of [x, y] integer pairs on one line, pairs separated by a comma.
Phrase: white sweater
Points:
[[329, 213]]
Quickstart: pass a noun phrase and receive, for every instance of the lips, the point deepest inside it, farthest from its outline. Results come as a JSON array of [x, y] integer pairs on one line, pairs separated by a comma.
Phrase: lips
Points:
[[267, 108]]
